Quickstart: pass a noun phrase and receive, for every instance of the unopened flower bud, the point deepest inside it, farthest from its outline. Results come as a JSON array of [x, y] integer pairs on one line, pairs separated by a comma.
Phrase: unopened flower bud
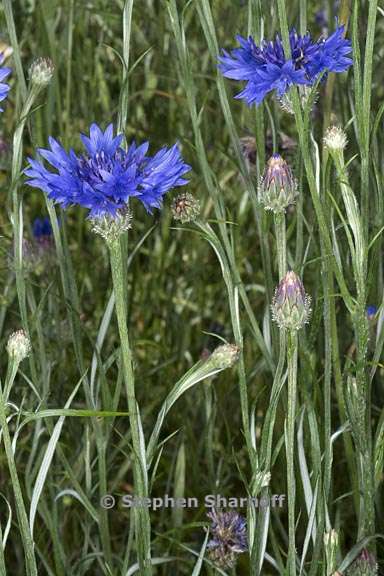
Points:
[[305, 93], [112, 227], [335, 139], [185, 208], [224, 356], [18, 346], [41, 72], [364, 565], [291, 306], [278, 187]]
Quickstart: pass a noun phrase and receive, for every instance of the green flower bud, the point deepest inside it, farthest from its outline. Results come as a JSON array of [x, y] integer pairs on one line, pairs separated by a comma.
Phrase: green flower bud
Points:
[[291, 306], [224, 356], [18, 346], [185, 208], [41, 72], [364, 565], [278, 187], [335, 139], [112, 227]]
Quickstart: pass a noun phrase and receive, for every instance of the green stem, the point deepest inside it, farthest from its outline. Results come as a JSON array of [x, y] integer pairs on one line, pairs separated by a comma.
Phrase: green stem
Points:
[[20, 506], [142, 518], [7, 5], [290, 448], [366, 114], [69, 71], [355, 221], [124, 95], [17, 218], [327, 288], [303, 133], [367, 503], [281, 243]]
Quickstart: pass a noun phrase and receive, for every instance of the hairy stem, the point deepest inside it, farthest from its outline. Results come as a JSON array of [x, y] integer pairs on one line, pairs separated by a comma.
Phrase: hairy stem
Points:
[[142, 518]]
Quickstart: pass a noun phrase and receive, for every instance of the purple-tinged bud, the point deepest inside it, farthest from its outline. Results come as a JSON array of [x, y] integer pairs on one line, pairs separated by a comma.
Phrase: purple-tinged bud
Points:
[[291, 306], [278, 187], [364, 565]]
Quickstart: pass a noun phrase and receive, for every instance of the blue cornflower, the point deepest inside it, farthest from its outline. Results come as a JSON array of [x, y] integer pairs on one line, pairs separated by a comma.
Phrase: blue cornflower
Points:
[[41, 228], [229, 537], [106, 176], [4, 73], [266, 68], [371, 312]]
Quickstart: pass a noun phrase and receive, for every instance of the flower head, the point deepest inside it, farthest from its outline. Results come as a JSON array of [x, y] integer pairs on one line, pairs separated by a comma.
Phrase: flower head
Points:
[[4, 73], [371, 312], [224, 356], [291, 306], [18, 346], [185, 208], [335, 139], [229, 537], [266, 68], [278, 187], [41, 229], [105, 176], [112, 227], [364, 565], [41, 72]]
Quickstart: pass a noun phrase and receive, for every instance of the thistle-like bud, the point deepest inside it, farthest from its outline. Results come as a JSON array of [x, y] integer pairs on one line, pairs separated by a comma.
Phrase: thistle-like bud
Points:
[[185, 208], [291, 306], [335, 139], [364, 565], [229, 537], [112, 227], [331, 545], [41, 72], [278, 187], [305, 93], [18, 346], [224, 356]]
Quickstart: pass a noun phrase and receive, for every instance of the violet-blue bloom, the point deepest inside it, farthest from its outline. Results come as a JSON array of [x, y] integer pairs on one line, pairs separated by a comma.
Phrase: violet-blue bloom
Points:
[[4, 73], [41, 228], [229, 537], [265, 68], [371, 312], [106, 176]]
